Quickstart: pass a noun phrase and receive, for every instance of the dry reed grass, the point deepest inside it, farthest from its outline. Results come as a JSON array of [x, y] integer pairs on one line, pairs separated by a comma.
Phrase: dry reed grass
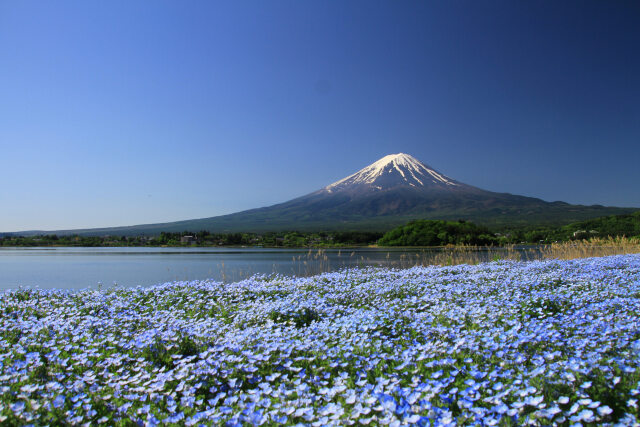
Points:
[[595, 247], [317, 261]]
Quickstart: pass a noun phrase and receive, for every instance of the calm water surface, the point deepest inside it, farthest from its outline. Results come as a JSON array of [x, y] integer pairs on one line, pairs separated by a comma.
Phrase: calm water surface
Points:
[[77, 268]]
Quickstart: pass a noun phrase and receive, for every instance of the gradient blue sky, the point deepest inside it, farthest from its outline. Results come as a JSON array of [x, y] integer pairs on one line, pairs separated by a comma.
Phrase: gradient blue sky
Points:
[[129, 112]]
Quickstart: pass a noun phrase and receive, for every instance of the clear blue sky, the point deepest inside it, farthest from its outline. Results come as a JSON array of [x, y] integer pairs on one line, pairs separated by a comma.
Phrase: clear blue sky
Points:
[[128, 112]]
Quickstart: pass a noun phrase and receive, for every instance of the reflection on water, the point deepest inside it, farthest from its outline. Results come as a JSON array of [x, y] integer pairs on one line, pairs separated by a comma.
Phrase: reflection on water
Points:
[[75, 268]]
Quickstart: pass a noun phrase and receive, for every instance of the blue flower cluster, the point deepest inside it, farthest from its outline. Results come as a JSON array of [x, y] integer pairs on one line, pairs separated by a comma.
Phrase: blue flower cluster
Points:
[[500, 343]]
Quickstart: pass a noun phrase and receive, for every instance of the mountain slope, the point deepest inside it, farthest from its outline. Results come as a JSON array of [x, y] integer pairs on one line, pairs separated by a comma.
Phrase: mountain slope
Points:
[[385, 194]]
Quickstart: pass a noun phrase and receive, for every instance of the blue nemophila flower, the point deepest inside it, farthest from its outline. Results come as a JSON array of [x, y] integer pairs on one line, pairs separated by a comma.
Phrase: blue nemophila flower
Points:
[[58, 402], [17, 407], [426, 346]]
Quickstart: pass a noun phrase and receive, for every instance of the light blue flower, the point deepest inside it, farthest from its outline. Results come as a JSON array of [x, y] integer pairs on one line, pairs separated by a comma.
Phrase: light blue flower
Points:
[[58, 402]]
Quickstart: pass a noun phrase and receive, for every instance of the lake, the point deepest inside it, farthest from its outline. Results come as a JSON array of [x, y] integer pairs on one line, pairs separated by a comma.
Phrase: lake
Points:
[[78, 268]]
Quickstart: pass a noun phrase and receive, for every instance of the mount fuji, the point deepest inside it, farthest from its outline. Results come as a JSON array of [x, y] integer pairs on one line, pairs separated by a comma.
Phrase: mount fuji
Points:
[[394, 170], [389, 192]]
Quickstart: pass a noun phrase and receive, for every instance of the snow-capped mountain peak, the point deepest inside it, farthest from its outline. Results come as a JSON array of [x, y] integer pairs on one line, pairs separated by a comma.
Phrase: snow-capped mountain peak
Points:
[[392, 171]]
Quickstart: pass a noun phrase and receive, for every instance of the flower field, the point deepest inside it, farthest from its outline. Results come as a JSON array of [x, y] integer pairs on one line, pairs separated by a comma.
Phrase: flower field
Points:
[[500, 343]]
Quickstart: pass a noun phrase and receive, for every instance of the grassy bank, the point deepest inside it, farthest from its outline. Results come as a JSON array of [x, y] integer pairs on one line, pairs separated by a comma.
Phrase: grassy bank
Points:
[[316, 261], [596, 247]]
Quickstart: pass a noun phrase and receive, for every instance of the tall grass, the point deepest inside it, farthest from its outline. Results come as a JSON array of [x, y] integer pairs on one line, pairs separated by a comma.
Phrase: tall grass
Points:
[[312, 263], [594, 247], [317, 261]]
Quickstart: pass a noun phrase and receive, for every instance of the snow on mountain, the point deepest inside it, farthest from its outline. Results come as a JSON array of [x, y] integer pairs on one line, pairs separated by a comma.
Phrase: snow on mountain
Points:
[[392, 171]]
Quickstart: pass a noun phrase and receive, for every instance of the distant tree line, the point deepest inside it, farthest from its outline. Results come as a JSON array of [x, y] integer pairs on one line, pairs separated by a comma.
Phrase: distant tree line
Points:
[[415, 233], [627, 225], [438, 233], [73, 240], [203, 238]]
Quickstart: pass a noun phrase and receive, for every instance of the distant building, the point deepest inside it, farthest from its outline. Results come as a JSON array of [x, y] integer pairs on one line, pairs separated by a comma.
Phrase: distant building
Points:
[[584, 232], [187, 239]]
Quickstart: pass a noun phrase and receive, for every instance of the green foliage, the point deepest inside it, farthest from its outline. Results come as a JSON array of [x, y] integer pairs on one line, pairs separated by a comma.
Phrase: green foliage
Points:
[[415, 233], [357, 237], [437, 233], [300, 319], [606, 226], [160, 352], [291, 239], [541, 308], [614, 225]]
